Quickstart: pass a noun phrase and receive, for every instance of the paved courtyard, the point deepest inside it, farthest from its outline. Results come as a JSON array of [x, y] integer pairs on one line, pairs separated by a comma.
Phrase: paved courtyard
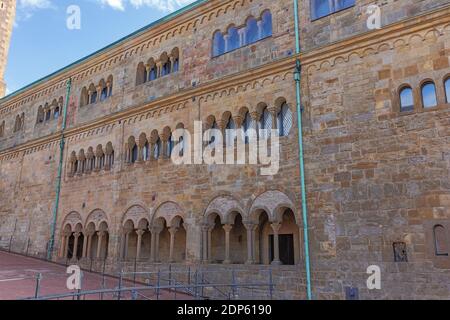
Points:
[[18, 280]]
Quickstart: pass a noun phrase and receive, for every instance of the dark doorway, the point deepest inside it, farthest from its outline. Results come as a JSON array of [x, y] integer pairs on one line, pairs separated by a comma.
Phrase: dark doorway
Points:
[[286, 248]]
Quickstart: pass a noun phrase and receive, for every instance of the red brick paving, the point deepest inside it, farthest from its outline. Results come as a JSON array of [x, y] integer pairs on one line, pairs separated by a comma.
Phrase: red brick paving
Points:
[[18, 280]]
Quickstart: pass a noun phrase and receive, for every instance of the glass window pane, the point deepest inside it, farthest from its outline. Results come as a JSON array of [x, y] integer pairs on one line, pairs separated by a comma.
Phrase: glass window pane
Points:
[[267, 24], [285, 120], [320, 8], [247, 125], [233, 39], [447, 89], [219, 44], [429, 95], [406, 100], [266, 124], [343, 4], [156, 149], [252, 31]]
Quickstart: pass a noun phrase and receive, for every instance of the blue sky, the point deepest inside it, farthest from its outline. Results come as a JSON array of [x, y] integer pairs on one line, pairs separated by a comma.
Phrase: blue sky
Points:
[[41, 43]]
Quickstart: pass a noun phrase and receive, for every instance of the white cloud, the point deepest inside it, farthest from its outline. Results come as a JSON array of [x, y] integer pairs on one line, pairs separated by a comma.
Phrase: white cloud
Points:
[[35, 4], [26, 8], [115, 4], [161, 5]]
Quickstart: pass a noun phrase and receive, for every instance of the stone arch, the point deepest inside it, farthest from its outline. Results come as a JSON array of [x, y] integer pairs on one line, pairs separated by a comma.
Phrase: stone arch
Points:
[[72, 219], [135, 214], [167, 210], [97, 217], [224, 206], [270, 201]]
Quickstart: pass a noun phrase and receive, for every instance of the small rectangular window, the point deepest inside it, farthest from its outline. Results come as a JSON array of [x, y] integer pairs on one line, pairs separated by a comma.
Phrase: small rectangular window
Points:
[[322, 8]]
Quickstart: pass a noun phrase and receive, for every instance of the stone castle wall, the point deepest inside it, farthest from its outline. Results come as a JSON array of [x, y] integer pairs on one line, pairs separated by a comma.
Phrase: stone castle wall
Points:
[[375, 176]]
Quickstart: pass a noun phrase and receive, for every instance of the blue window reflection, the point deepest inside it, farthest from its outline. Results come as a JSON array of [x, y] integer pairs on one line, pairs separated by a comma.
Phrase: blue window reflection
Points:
[[255, 29], [322, 8], [429, 95], [447, 89], [406, 99], [266, 24], [252, 30]]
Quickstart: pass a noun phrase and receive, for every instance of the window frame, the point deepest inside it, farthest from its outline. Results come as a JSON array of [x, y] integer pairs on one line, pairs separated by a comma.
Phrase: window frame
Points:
[[422, 86], [407, 108], [238, 28], [447, 94], [330, 13]]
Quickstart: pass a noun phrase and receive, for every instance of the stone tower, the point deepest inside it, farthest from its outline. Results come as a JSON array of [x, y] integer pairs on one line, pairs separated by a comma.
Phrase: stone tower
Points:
[[7, 13]]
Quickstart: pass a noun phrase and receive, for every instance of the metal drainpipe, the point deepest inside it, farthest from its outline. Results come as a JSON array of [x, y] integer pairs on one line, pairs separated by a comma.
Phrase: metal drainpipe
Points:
[[58, 178], [297, 78]]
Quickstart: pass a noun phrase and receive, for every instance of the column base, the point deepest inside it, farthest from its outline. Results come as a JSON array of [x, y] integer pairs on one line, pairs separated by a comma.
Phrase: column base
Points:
[[226, 262], [276, 263]]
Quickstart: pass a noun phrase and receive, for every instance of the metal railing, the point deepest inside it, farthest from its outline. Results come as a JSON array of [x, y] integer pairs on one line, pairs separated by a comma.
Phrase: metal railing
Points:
[[198, 282], [162, 285], [133, 291]]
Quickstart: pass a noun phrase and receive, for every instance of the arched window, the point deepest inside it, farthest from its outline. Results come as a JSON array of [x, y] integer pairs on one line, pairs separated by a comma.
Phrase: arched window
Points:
[[94, 97], [406, 99], [266, 24], [75, 166], [102, 161], [2, 129], [169, 146], [181, 142], [40, 115], [447, 89], [212, 138], [56, 113], [109, 86], [165, 68], [218, 44], [440, 240], [230, 133], [157, 148], [84, 97], [176, 64], [134, 154], [176, 60], [284, 120], [48, 113], [233, 39], [146, 151], [322, 8], [248, 125], [429, 99], [111, 159], [141, 74], [252, 33], [153, 74], [266, 124], [92, 163], [104, 94]]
